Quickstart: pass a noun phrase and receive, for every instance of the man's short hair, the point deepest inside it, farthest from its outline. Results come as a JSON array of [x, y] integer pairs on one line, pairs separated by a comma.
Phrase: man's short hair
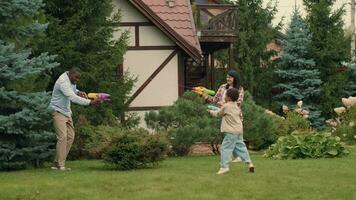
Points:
[[74, 70], [233, 93]]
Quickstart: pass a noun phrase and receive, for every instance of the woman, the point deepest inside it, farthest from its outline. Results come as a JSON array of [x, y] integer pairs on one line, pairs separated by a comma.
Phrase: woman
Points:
[[232, 81]]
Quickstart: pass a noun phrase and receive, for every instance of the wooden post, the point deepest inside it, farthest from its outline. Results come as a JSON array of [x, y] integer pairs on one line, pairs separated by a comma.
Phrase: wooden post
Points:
[[231, 57], [212, 70]]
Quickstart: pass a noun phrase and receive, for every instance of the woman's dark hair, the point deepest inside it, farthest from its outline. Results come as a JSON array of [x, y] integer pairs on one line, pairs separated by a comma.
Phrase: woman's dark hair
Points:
[[237, 80]]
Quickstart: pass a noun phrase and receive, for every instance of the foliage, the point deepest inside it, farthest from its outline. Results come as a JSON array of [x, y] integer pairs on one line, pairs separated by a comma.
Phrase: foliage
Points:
[[301, 146], [81, 34], [347, 133], [187, 121], [135, 149], [26, 137], [350, 87], [255, 32], [329, 47], [259, 127], [298, 77], [292, 122], [250, 53]]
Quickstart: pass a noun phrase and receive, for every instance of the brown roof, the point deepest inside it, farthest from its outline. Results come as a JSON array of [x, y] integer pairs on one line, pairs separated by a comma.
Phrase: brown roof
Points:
[[177, 22]]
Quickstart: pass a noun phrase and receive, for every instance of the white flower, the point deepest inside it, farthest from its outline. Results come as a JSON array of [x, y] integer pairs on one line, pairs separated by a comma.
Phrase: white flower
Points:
[[344, 135], [355, 137], [299, 104]]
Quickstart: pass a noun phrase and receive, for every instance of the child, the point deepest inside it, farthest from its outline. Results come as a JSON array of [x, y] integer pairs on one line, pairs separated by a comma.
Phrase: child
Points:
[[231, 126]]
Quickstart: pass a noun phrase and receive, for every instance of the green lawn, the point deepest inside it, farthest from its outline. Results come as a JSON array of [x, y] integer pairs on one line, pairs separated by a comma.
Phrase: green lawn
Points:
[[189, 178]]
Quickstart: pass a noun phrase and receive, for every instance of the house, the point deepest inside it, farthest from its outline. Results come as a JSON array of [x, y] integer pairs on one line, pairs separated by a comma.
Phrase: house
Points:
[[171, 46]]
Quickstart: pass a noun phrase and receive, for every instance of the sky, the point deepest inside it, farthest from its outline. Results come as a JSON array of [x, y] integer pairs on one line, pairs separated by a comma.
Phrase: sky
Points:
[[285, 8]]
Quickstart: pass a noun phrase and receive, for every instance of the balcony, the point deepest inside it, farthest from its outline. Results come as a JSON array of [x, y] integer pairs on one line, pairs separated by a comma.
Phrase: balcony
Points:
[[216, 23]]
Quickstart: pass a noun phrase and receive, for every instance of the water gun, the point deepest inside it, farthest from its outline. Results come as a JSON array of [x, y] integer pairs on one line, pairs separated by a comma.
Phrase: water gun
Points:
[[102, 96], [212, 108], [202, 90]]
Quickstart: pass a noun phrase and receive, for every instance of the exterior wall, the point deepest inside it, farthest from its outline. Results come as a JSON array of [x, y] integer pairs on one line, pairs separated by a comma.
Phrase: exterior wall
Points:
[[148, 48], [163, 89], [128, 12]]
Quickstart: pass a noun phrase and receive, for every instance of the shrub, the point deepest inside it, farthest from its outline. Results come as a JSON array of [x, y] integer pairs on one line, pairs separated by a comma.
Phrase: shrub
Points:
[[259, 127], [92, 141], [312, 145], [135, 149], [187, 121], [292, 122]]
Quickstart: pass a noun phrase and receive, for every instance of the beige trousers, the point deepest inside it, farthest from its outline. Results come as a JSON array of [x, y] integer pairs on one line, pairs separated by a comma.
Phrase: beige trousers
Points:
[[64, 128]]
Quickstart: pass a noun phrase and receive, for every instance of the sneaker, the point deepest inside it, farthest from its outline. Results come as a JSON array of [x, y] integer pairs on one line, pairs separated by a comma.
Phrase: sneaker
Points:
[[236, 160], [64, 168], [54, 168], [251, 168], [223, 171]]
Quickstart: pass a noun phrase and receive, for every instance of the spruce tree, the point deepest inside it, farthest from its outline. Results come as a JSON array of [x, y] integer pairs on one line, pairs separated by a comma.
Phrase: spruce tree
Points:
[[26, 137], [299, 79], [329, 47]]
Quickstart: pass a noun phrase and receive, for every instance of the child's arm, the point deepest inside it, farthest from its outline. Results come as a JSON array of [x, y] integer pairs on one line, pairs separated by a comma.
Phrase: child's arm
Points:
[[218, 113]]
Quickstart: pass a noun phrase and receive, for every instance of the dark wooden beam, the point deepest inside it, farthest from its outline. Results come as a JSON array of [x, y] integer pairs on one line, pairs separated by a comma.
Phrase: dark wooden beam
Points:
[[212, 70], [136, 48], [137, 36], [216, 6], [153, 75], [136, 24], [181, 73]]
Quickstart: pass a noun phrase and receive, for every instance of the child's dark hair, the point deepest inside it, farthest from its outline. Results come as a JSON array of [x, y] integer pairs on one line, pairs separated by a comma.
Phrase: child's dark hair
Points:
[[233, 93]]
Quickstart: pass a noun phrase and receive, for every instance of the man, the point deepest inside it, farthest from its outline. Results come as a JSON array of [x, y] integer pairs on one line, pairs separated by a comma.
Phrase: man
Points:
[[65, 92]]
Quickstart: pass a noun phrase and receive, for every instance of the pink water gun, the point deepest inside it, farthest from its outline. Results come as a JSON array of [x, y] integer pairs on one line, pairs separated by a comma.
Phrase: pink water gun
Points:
[[102, 96]]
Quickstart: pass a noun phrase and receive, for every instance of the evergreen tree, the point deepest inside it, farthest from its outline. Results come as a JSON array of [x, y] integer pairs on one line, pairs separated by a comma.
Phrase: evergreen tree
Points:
[[299, 79], [329, 47], [26, 138], [350, 88], [81, 34]]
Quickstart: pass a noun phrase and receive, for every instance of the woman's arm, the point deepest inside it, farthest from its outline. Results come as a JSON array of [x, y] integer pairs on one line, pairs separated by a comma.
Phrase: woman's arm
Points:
[[218, 96], [241, 96]]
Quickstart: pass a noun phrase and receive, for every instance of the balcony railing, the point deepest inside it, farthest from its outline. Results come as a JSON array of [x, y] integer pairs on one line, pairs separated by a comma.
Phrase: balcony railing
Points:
[[216, 22]]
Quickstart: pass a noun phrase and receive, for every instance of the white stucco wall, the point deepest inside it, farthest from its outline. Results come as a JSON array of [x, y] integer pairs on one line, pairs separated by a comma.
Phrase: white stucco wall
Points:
[[128, 12], [152, 36], [163, 89]]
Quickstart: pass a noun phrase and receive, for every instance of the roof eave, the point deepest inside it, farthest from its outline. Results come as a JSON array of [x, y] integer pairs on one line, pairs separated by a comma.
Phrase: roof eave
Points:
[[192, 51]]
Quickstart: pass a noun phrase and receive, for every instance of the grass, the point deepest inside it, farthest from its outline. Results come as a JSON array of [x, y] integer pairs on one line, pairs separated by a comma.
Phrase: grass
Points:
[[189, 178]]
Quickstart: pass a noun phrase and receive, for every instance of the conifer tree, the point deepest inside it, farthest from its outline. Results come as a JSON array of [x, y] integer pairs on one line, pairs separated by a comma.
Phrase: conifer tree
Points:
[[26, 137], [299, 79], [329, 47]]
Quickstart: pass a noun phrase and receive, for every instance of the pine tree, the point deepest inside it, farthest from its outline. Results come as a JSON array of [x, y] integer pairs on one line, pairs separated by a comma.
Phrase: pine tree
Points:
[[81, 34], [26, 138], [299, 79], [329, 47]]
